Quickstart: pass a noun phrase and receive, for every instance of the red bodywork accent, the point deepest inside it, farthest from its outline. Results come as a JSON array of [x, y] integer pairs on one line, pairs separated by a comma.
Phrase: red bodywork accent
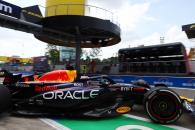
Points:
[[59, 76], [26, 79], [139, 89]]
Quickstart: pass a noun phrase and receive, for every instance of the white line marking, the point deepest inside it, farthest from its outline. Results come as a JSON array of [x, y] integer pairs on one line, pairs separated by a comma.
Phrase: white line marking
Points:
[[54, 124], [147, 120], [58, 126], [191, 89], [186, 77], [137, 117]]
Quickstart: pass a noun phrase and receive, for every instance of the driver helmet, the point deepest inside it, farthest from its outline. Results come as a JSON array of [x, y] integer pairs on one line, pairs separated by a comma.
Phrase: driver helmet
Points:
[[142, 82]]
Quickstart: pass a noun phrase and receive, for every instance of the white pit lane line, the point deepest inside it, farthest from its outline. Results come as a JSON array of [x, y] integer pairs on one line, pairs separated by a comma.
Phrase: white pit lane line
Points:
[[190, 89], [147, 120], [58, 126]]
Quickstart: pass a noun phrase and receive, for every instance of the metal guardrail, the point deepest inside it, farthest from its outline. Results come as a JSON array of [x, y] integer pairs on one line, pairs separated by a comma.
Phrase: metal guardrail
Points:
[[88, 10]]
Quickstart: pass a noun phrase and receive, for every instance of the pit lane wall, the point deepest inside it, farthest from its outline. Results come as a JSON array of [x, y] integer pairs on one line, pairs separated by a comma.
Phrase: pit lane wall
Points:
[[170, 81]]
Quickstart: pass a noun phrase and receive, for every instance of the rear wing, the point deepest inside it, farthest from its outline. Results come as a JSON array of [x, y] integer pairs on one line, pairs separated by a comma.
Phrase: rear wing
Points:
[[3, 73], [9, 78]]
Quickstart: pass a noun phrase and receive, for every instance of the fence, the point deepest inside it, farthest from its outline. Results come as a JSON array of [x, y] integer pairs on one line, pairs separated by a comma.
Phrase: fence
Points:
[[79, 9]]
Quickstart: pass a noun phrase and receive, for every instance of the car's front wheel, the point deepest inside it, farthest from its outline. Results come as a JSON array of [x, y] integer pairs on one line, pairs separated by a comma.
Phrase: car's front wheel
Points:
[[163, 105]]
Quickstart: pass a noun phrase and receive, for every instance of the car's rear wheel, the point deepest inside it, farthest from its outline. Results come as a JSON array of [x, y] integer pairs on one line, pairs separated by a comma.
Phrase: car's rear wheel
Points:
[[163, 105], [5, 99]]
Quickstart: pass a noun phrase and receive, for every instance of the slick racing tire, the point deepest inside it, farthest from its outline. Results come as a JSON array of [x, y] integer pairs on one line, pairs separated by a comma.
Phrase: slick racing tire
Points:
[[163, 105], [5, 99]]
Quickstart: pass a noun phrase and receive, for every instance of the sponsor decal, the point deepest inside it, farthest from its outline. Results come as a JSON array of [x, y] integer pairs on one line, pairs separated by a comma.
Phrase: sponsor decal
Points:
[[170, 81], [132, 89], [78, 84], [190, 83], [126, 88], [6, 8], [22, 85], [45, 89], [122, 110], [78, 95], [164, 81], [9, 9]]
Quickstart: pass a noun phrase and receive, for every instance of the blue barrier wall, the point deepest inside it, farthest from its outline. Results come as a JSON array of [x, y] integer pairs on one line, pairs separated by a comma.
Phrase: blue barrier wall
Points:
[[170, 81], [181, 82], [24, 73]]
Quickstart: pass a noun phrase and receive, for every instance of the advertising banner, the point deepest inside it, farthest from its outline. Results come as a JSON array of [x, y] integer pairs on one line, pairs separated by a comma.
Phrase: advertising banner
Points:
[[170, 81], [9, 9]]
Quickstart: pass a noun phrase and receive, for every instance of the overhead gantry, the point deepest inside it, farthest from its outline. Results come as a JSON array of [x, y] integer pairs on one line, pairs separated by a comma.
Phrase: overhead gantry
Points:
[[68, 23]]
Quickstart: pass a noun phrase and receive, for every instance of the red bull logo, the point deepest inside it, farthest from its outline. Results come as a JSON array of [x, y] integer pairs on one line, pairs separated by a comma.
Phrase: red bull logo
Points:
[[59, 76], [45, 89]]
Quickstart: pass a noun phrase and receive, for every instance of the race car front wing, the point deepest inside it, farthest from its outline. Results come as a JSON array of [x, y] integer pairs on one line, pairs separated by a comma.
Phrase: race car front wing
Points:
[[190, 106]]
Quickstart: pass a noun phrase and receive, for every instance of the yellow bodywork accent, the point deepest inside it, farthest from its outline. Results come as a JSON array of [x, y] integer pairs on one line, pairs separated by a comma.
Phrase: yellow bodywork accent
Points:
[[187, 99], [72, 74], [124, 109]]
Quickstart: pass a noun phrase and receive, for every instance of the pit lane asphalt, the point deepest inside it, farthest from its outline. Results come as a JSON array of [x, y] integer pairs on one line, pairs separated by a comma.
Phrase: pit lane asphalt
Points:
[[8, 122]]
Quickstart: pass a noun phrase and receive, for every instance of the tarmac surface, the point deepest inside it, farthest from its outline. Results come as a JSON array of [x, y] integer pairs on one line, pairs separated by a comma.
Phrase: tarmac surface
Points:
[[8, 122], [190, 93]]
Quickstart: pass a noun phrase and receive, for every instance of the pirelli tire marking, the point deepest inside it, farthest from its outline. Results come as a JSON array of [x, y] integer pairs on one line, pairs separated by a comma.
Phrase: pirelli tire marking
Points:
[[151, 97], [133, 127]]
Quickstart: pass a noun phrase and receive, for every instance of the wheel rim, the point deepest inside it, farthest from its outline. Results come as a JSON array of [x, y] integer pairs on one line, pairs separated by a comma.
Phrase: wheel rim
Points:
[[164, 107]]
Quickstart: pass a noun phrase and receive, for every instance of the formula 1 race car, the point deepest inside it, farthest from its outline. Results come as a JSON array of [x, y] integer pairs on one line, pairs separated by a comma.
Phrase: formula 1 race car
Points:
[[61, 92]]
